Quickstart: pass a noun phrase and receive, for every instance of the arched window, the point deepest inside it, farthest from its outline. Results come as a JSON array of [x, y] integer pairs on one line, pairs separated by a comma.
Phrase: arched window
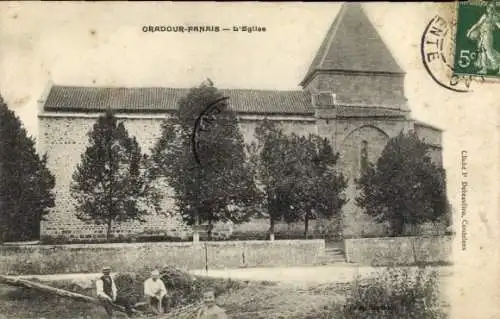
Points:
[[363, 157]]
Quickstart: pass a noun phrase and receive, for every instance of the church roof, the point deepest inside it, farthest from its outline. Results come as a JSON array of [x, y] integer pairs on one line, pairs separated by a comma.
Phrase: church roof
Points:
[[353, 44], [162, 99]]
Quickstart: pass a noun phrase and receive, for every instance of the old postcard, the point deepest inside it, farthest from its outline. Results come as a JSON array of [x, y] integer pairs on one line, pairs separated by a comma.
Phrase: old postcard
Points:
[[249, 160]]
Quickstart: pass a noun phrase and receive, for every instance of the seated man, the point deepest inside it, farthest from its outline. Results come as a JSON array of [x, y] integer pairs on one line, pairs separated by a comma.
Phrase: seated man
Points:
[[210, 310], [155, 292], [107, 293]]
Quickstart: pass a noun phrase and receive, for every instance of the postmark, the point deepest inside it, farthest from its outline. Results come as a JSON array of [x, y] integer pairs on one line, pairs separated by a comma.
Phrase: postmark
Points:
[[437, 53], [477, 44], [204, 121]]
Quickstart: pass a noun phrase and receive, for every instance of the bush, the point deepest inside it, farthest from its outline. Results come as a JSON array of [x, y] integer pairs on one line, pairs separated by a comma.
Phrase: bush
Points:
[[396, 293]]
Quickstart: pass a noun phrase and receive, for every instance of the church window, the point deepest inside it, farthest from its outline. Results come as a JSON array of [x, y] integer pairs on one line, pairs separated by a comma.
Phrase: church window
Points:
[[364, 156]]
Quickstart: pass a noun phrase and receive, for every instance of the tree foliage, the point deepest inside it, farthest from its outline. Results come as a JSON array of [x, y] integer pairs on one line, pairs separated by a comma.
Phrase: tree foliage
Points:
[[404, 187], [297, 175], [111, 184], [26, 183], [214, 181]]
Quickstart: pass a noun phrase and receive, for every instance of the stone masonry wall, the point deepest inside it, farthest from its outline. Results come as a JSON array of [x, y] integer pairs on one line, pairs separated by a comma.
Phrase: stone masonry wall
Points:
[[89, 258], [432, 137], [64, 138], [370, 89], [399, 250], [349, 136]]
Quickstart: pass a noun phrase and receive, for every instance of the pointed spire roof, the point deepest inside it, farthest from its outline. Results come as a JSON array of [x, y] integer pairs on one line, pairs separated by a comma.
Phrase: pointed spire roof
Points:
[[353, 44]]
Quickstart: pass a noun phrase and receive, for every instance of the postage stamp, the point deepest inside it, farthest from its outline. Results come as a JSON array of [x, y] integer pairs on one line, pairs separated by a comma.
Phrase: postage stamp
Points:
[[336, 161], [436, 48], [477, 44]]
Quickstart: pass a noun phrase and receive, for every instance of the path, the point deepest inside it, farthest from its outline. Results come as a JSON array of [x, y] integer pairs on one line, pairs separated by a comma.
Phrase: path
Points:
[[315, 274], [339, 272]]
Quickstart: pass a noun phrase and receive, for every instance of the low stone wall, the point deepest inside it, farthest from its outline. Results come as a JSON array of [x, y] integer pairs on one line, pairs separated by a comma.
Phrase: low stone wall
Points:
[[47, 259], [174, 229], [399, 250]]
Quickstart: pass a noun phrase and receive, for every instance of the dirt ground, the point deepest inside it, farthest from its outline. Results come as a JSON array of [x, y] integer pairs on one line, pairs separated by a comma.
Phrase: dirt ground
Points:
[[253, 302], [296, 293], [19, 303]]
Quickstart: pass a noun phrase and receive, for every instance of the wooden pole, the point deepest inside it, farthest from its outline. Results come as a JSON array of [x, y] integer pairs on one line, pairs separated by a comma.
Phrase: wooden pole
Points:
[[17, 282]]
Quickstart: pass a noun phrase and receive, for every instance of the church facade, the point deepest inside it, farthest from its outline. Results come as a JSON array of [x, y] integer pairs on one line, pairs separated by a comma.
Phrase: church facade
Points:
[[352, 94]]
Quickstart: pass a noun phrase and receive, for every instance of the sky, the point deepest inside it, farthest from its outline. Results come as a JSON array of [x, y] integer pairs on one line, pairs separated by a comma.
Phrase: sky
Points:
[[102, 44]]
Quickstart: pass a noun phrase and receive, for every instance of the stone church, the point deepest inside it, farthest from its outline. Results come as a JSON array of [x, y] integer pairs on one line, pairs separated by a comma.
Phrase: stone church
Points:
[[353, 94]]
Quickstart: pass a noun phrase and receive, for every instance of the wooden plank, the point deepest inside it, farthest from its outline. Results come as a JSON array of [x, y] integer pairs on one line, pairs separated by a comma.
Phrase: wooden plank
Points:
[[17, 282]]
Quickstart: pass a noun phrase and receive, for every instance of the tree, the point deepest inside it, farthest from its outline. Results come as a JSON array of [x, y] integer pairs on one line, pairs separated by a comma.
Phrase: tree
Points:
[[275, 182], [201, 156], [26, 183], [319, 188], [111, 184], [404, 187], [297, 176]]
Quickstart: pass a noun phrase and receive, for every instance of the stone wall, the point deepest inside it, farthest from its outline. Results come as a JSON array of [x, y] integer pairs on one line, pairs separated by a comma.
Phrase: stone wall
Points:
[[433, 137], [350, 136], [64, 138], [385, 90], [299, 125], [318, 228], [399, 250], [47, 259]]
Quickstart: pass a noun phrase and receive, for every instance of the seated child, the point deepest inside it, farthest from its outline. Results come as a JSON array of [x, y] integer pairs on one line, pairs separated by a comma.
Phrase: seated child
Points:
[[210, 310]]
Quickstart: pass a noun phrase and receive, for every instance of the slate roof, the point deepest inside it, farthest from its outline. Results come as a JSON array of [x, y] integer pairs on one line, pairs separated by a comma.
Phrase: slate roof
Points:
[[160, 99], [353, 44]]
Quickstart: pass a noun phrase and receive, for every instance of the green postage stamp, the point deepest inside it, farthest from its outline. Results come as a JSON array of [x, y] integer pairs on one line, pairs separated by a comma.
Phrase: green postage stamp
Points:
[[477, 47]]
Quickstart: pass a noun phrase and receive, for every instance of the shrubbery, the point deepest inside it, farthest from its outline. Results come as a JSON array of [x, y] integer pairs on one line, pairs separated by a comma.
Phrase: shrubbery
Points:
[[396, 293]]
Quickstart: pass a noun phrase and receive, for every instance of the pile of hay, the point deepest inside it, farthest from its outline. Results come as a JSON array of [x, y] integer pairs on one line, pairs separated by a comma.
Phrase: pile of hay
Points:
[[241, 300], [185, 290]]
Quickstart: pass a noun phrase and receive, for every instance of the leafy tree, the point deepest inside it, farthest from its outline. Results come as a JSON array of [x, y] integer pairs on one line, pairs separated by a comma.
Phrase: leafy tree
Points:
[[297, 176], [274, 181], [319, 188], [201, 156], [404, 187], [25, 181], [111, 184]]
